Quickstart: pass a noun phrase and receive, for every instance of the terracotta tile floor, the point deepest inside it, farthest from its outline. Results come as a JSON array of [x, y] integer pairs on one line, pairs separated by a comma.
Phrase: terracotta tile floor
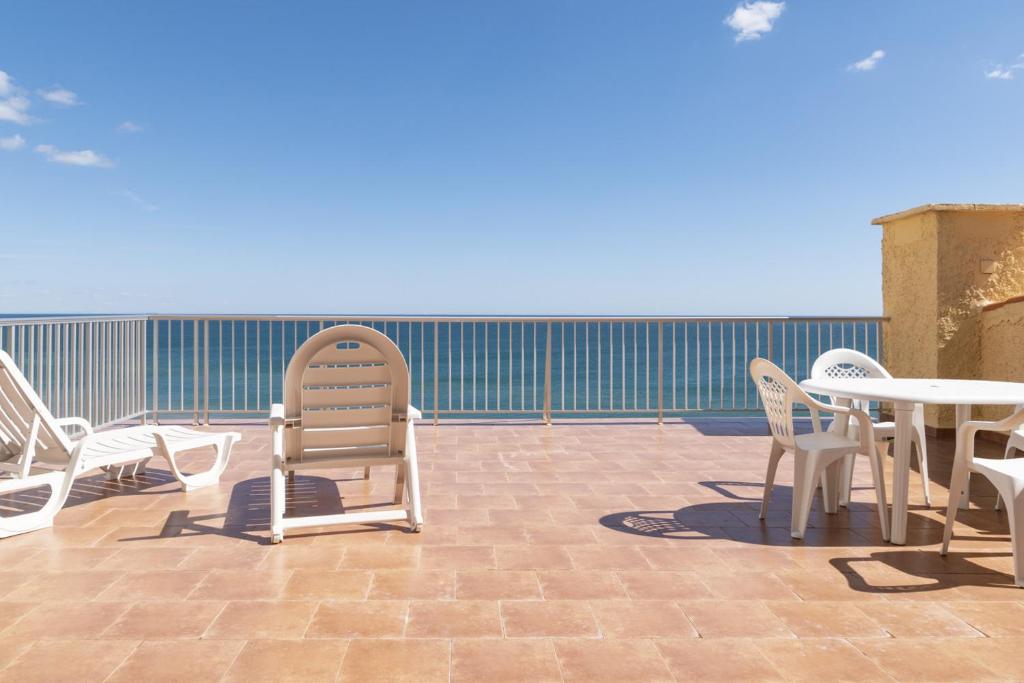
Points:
[[594, 551]]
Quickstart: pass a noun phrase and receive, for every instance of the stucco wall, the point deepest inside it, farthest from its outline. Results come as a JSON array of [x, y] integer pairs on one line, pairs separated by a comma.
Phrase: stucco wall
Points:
[[909, 295], [1002, 348], [934, 287]]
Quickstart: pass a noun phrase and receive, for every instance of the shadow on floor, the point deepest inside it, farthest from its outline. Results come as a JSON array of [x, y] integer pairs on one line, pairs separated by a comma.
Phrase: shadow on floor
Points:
[[248, 511], [736, 518], [897, 572], [88, 490]]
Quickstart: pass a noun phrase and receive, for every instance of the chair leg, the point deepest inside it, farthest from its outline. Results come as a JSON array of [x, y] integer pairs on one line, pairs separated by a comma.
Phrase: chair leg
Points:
[[1009, 453], [830, 488], [1015, 509], [399, 482], [958, 479], [921, 451], [846, 480], [806, 475], [412, 481], [191, 482], [59, 484], [877, 460], [277, 500], [769, 479]]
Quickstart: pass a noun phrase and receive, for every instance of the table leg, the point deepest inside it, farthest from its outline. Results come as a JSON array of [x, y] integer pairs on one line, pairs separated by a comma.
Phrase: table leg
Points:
[[901, 471], [963, 414]]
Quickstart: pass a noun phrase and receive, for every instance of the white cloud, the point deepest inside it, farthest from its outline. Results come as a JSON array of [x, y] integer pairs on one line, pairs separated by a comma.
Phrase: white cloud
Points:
[[13, 103], [1000, 73], [82, 157], [12, 143], [1005, 73], [752, 19], [138, 201], [129, 127], [15, 110], [61, 96], [869, 62]]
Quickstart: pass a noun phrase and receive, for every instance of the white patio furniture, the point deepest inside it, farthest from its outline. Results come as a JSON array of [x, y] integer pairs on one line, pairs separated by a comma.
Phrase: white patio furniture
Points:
[[1007, 475], [346, 404], [817, 456], [847, 363], [905, 394], [36, 451]]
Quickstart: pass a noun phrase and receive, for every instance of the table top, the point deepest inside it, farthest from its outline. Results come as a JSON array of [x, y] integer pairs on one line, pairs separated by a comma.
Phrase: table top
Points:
[[934, 391]]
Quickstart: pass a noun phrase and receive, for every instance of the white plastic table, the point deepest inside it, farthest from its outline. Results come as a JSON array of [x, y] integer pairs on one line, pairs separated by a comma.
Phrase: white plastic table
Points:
[[904, 393]]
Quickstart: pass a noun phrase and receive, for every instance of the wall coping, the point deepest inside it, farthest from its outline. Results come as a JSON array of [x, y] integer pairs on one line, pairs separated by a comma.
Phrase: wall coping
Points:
[[999, 304], [924, 208]]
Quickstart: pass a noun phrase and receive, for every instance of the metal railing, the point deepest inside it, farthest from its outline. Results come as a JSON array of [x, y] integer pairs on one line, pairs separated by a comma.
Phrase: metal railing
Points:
[[90, 366], [111, 369], [219, 366]]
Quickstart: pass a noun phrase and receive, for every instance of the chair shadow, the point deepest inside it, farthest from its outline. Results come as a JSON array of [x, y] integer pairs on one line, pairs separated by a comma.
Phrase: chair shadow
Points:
[[248, 512], [87, 490], [933, 571], [736, 519]]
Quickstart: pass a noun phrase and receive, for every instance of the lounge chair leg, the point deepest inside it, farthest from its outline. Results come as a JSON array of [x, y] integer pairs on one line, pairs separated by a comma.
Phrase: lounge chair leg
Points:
[[190, 482], [399, 483], [59, 484], [412, 481], [277, 500]]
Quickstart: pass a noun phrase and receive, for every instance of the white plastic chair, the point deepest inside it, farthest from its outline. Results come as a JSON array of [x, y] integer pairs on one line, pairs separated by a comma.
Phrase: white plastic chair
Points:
[[847, 363], [817, 456], [1015, 442], [346, 404], [1007, 475], [36, 451]]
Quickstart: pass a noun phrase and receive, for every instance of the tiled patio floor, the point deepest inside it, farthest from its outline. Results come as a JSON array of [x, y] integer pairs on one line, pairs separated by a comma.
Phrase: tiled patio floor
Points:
[[583, 552]]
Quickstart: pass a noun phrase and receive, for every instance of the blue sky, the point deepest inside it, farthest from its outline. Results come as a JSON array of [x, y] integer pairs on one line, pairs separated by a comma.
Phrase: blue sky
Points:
[[591, 157]]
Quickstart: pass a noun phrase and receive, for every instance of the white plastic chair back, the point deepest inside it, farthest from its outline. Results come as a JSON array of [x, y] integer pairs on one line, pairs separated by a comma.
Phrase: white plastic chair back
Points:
[[778, 393], [28, 429], [346, 395], [848, 364]]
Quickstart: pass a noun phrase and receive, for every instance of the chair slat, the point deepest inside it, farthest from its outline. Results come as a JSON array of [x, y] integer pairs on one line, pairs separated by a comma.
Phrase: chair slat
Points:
[[345, 438], [347, 374], [333, 397], [346, 418]]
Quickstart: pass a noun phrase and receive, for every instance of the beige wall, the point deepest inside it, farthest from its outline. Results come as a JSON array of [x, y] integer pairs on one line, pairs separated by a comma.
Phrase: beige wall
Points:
[[934, 287], [1002, 347]]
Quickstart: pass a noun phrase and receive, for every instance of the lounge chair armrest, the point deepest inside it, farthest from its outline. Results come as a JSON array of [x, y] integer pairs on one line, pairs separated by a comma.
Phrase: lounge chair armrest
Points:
[[276, 416], [80, 422], [414, 413]]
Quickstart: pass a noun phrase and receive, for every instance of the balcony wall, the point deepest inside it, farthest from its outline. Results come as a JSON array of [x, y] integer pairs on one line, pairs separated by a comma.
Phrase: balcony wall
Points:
[[941, 265]]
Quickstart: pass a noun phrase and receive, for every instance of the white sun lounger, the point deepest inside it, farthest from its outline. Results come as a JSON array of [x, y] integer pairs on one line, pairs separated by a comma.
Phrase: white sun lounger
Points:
[[346, 404], [35, 450]]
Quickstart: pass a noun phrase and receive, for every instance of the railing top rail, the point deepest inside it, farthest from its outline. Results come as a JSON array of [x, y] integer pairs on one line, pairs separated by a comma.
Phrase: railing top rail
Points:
[[38, 320], [522, 318]]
